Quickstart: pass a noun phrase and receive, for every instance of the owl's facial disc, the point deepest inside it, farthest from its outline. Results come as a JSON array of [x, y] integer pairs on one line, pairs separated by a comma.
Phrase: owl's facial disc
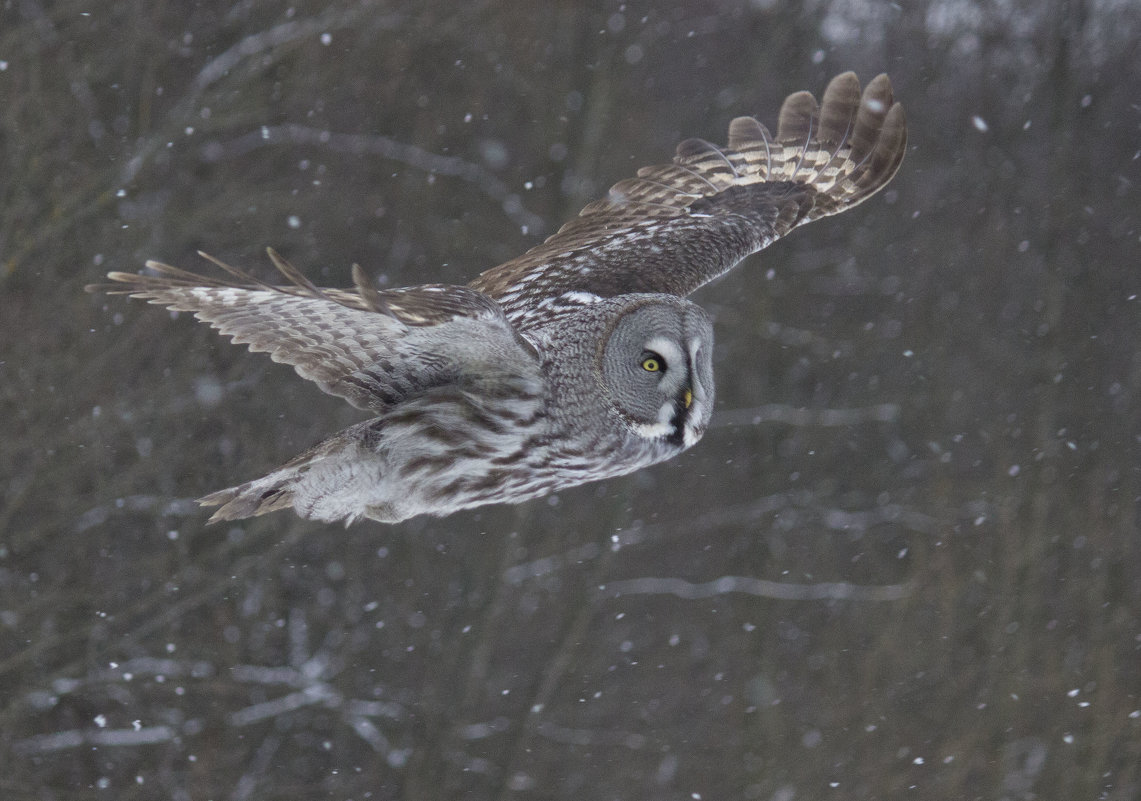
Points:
[[656, 372], [674, 374]]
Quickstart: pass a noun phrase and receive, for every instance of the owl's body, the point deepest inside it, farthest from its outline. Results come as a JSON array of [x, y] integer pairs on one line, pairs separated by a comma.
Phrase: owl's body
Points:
[[508, 424], [578, 361]]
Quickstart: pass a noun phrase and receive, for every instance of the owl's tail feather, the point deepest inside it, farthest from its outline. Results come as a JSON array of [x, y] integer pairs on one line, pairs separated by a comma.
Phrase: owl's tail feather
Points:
[[266, 494], [253, 498], [288, 485]]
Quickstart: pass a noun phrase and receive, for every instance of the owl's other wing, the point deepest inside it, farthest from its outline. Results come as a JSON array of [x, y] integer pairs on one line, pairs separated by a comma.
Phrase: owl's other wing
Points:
[[677, 226], [374, 348]]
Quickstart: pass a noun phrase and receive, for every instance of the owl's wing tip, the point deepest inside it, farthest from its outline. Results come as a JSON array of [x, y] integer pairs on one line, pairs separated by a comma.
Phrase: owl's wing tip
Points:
[[847, 147]]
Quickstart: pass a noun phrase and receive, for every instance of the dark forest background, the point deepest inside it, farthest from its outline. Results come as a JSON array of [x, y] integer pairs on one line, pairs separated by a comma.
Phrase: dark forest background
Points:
[[905, 561]]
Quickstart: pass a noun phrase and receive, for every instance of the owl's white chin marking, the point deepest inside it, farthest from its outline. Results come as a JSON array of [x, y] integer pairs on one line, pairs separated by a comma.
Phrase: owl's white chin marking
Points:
[[663, 427], [692, 434], [653, 430]]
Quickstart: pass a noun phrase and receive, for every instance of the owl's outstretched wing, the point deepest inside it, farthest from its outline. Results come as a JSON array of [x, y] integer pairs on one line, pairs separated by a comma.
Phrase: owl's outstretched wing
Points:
[[374, 348], [677, 226]]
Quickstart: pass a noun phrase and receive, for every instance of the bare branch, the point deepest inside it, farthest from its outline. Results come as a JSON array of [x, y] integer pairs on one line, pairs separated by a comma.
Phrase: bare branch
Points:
[[781, 413], [76, 738], [388, 148], [822, 591]]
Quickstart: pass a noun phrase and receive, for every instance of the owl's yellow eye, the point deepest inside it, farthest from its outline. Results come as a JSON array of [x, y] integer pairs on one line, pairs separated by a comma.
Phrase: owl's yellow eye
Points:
[[652, 364]]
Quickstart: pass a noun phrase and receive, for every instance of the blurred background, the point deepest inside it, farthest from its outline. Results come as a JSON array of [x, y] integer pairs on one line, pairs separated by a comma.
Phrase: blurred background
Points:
[[905, 561]]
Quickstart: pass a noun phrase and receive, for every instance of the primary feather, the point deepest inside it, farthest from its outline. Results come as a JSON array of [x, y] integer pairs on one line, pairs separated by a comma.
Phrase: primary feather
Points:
[[678, 226]]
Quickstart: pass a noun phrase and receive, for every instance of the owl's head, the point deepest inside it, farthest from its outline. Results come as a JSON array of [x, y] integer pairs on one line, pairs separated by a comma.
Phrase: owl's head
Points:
[[655, 365]]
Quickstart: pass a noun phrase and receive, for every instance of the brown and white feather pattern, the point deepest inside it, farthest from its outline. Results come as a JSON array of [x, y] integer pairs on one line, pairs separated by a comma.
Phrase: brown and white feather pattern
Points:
[[580, 360], [677, 226]]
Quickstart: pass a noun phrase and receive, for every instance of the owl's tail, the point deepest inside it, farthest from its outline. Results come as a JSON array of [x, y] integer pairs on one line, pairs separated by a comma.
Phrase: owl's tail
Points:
[[323, 483], [267, 494]]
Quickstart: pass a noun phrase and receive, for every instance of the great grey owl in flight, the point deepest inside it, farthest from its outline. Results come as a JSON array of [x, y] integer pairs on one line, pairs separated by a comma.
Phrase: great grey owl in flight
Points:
[[577, 361]]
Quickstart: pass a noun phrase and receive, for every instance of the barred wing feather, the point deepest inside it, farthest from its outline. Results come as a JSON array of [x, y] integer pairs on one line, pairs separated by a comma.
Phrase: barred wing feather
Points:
[[677, 226], [371, 347]]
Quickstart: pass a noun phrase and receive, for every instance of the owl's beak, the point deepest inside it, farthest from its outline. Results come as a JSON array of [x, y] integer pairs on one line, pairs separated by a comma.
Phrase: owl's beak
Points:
[[688, 397]]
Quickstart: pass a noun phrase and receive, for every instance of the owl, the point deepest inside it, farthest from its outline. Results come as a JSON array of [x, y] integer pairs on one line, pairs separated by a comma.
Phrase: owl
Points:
[[579, 360]]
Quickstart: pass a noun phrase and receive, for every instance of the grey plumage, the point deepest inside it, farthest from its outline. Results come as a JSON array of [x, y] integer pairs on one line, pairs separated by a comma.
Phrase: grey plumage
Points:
[[577, 361]]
